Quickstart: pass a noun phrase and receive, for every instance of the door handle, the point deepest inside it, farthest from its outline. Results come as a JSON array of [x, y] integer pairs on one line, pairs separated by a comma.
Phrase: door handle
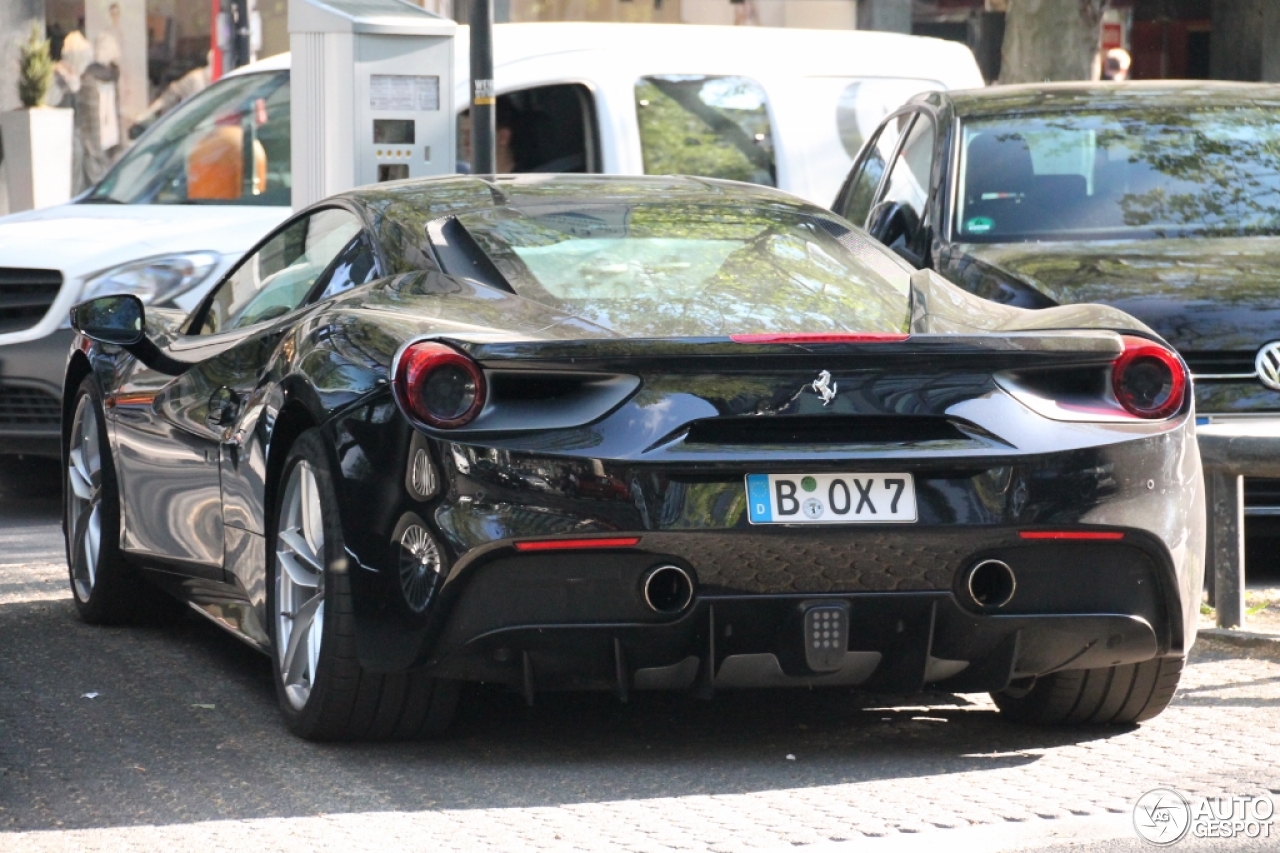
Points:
[[224, 407]]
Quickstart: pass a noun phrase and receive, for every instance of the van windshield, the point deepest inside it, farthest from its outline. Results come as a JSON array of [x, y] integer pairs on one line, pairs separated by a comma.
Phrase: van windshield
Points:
[[198, 153], [1140, 174]]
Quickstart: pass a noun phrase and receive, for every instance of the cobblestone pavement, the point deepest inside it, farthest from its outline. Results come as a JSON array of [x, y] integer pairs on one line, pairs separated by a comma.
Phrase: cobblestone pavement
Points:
[[182, 746]]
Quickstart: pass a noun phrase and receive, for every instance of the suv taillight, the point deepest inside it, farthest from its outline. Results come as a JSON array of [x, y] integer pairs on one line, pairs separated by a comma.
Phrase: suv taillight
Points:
[[439, 386], [1149, 380]]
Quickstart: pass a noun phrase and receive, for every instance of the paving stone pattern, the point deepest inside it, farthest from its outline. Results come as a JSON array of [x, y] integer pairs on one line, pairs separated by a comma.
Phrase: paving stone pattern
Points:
[[146, 765]]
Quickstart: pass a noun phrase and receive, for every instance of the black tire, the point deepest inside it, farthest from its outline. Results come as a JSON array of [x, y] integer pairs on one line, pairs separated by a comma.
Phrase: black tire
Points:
[[343, 700], [114, 593], [1111, 696]]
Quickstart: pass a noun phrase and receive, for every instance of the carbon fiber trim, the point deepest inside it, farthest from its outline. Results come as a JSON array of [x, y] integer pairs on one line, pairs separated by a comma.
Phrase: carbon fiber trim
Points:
[[864, 560]]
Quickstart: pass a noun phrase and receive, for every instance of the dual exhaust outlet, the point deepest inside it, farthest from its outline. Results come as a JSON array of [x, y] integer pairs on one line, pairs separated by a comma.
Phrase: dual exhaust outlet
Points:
[[667, 589], [988, 585]]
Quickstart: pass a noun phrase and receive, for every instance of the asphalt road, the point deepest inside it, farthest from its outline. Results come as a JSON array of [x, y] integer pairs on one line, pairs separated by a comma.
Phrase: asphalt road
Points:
[[181, 745]]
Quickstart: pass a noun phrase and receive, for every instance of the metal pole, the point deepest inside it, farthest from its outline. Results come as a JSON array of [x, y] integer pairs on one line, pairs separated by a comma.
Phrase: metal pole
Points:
[[1225, 500], [241, 36], [483, 132]]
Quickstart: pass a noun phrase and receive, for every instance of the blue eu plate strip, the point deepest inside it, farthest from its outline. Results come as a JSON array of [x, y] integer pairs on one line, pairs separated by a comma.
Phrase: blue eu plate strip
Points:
[[758, 498]]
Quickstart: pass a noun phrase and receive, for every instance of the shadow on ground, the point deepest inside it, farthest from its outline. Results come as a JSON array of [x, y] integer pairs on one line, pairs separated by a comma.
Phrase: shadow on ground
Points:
[[147, 750], [184, 728]]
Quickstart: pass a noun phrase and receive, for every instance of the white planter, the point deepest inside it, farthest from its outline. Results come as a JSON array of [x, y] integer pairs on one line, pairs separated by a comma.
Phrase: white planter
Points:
[[37, 156]]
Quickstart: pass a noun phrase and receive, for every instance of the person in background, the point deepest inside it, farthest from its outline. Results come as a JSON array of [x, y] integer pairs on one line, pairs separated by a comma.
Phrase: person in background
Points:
[[98, 120], [76, 55], [507, 121], [179, 90], [1115, 65], [64, 91]]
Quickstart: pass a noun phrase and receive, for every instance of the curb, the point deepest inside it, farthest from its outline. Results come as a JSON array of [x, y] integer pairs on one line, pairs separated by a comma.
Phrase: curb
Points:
[[1267, 643]]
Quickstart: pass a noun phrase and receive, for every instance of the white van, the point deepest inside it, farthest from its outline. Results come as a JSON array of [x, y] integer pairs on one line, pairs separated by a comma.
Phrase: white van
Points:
[[782, 107]]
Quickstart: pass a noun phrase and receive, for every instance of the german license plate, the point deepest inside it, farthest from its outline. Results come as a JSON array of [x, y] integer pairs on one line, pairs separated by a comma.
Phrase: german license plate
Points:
[[830, 498]]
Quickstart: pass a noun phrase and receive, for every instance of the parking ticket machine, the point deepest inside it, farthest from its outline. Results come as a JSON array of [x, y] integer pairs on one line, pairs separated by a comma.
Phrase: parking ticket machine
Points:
[[372, 94]]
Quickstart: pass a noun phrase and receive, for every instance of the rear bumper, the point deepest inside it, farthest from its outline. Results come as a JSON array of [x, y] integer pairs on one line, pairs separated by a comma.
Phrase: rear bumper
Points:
[[578, 620], [899, 642], [31, 374]]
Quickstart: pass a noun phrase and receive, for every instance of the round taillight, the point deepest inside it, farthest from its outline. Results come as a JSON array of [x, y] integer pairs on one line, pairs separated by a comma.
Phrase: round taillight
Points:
[[439, 385], [1149, 381]]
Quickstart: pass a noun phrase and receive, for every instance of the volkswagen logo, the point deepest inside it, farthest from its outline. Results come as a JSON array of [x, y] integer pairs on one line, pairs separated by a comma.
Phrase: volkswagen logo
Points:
[[1268, 365]]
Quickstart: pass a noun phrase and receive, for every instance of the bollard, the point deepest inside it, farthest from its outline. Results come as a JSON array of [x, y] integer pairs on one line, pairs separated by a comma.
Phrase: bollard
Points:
[[1225, 551]]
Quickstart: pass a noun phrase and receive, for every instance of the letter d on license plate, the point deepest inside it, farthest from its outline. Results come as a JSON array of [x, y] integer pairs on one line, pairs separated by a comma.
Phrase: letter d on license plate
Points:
[[830, 498]]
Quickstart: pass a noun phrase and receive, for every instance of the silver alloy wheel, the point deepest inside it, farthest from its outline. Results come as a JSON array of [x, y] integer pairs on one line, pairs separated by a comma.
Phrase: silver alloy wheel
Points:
[[84, 498], [299, 600]]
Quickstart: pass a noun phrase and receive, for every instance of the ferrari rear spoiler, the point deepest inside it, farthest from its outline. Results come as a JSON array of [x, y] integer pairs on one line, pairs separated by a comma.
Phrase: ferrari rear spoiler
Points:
[[988, 352]]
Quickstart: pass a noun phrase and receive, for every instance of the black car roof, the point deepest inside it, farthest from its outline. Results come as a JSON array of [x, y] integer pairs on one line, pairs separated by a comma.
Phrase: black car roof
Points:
[[1054, 97]]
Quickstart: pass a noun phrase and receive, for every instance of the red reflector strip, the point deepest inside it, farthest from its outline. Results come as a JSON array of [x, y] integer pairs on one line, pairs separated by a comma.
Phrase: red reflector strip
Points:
[[575, 544], [1070, 534], [819, 338]]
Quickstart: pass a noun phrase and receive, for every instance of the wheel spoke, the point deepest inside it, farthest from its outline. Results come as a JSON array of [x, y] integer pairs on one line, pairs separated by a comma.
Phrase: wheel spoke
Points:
[[93, 542], [81, 575], [93, 457], [301, 548], [304, 623], [312, 524], [79, 476], [298, 574], [314, 636]]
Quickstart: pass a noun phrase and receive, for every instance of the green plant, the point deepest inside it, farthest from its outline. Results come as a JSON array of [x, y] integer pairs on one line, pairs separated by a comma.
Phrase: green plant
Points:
[[35, 69]]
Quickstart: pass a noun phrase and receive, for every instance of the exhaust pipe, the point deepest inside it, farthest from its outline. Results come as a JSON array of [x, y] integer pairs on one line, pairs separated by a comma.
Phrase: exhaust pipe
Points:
[[991, 584], [667, 589]]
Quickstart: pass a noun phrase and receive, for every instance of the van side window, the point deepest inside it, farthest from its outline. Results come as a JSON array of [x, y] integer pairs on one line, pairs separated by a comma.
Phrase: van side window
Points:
[[542, 129], [715, 127]]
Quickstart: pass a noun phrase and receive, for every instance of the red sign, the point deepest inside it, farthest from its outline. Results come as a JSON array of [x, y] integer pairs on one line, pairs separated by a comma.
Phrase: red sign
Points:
[[1112, 36]]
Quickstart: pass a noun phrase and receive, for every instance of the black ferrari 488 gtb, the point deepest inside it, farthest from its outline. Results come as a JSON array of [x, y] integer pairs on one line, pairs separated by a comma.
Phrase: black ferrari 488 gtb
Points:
[[634, 434]]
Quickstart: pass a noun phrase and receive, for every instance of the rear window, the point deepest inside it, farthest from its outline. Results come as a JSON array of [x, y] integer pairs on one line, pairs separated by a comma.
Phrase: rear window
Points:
[[690, 270]]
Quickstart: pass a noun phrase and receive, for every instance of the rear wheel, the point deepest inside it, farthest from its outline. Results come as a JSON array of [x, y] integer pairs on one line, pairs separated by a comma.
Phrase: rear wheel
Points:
[[1117, 695], [106, 588], [324, 692]]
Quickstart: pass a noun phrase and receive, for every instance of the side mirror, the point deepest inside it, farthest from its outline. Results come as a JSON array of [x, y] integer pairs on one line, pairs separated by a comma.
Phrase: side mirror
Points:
[[120, 320], [897, 226], [110, 320]]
